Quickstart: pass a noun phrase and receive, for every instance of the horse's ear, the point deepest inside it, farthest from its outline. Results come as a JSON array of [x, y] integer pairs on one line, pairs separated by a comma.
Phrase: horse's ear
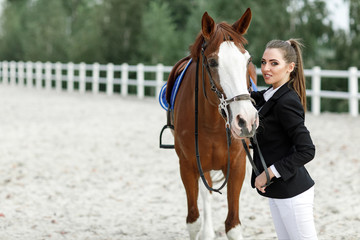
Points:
[[243, 23], [207, 26], [252, 72]]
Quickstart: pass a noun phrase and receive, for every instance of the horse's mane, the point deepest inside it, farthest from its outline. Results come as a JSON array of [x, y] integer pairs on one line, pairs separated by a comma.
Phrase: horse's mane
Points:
[[223, 32], [175, 72]]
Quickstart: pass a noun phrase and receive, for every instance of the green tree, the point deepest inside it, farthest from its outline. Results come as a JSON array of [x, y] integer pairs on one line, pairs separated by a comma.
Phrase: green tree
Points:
[[159, 41], [84, 18], [180, 11], [354, 51], [45, 32], [121, 27], [114, 30], [193, 24], [310, 26], [346, 46], [12, 22]]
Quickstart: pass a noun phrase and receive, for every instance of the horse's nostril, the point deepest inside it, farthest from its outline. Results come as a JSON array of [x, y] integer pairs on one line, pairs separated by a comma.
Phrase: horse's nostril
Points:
[[241, 122]]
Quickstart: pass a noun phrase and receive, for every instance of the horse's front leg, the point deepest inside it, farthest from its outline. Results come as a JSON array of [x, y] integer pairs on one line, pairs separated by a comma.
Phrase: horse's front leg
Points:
[[190, 181], [236, 178], [207, 231]]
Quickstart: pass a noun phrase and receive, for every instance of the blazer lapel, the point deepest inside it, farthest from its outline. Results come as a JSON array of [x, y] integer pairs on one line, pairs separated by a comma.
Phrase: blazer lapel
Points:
[[266, 107], [271, 102]]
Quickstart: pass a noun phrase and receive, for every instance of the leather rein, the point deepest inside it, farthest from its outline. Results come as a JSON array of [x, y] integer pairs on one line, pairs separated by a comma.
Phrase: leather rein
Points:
[[223, 109]]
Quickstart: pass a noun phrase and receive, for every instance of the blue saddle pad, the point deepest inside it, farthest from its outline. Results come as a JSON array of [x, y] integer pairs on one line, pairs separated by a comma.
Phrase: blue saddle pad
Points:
[[162, 96]]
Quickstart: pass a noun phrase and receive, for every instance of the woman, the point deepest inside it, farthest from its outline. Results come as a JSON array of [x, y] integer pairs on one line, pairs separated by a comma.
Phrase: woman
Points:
[[285, 142]]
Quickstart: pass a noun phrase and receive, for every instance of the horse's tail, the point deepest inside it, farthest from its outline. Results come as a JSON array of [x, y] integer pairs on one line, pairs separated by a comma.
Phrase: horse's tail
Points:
[[175, 72], [217, 177]]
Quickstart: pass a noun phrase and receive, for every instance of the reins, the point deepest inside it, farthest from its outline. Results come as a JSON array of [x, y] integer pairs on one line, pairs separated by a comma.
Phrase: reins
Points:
[[257, 173], [228, 139]]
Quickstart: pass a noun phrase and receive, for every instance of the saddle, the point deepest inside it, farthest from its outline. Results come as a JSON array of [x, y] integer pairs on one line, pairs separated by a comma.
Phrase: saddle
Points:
[[168, 93], [174, 76], [169, 90]]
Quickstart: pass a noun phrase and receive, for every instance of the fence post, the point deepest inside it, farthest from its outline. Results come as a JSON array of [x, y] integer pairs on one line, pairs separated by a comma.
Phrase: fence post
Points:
[[5, 72], [58, 82], [38, 73], [21, 74], [95, 75], [124, 79], [70, 76], [82, 72], [48, 75], [12, 73], [140, 80], [159, 78], [109, 79], [316, 86], [29, 74], [353, 90]]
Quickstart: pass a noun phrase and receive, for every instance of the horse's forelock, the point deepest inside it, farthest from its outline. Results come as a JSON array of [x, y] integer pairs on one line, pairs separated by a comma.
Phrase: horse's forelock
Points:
[[229, 34], [223, 32]]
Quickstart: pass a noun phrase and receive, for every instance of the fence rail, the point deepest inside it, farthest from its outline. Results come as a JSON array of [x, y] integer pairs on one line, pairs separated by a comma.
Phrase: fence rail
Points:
[[135, 79]]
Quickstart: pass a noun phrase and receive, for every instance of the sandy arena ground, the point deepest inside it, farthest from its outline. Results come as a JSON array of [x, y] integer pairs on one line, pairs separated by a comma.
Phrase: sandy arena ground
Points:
[[89, 167]]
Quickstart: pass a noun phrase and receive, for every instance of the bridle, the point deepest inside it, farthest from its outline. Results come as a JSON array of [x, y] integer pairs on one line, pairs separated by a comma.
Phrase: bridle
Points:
[[223, 109], [223, 101]]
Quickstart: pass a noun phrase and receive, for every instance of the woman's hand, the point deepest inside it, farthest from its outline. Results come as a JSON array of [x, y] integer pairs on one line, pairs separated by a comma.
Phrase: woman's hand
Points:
[[260, 181]]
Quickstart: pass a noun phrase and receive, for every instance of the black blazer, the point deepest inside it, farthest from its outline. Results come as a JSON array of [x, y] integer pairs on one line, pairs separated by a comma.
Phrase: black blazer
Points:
[[284, 141]]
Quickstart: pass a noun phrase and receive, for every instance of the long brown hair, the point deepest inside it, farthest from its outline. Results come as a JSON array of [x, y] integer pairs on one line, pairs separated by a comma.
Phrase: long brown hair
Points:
[[292, 53]]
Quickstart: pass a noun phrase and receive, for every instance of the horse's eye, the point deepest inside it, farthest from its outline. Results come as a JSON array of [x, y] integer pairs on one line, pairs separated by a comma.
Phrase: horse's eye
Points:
[[213, 63]]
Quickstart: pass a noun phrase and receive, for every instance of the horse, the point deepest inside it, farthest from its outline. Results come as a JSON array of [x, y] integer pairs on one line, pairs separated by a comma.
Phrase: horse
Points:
[[213, 98]]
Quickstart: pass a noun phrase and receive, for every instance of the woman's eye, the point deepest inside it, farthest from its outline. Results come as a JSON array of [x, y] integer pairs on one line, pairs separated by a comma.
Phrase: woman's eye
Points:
[[274, 63], [213, 63], [263, 62]]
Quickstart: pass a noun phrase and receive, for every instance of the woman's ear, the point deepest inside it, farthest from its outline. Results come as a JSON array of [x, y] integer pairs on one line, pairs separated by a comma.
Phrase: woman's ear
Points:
[[291, 67]]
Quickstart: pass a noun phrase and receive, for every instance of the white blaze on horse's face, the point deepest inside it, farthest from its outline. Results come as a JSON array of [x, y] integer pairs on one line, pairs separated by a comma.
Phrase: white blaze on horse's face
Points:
[[232, 70]]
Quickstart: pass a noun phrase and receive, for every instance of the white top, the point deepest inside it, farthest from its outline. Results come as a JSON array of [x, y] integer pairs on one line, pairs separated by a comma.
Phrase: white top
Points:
[[267, 95], [270, 92]]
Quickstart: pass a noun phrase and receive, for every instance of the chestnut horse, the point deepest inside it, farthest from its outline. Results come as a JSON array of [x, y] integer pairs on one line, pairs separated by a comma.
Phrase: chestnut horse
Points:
[[221, 67]]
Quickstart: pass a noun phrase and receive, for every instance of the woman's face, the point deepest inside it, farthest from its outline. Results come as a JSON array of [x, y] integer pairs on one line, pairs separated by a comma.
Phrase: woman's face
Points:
[[274, 69]]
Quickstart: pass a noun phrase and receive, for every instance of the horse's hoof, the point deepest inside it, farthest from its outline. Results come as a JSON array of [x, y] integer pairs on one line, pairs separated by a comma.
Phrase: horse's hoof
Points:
[[235, 233], [207, 236], [194, 229]]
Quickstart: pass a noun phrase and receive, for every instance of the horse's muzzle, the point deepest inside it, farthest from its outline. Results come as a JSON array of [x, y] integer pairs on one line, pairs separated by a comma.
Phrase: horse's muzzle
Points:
[[242, 128]]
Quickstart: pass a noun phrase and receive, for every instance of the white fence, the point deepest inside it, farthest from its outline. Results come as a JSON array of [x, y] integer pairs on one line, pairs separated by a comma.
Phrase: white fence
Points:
[[135, 79]]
